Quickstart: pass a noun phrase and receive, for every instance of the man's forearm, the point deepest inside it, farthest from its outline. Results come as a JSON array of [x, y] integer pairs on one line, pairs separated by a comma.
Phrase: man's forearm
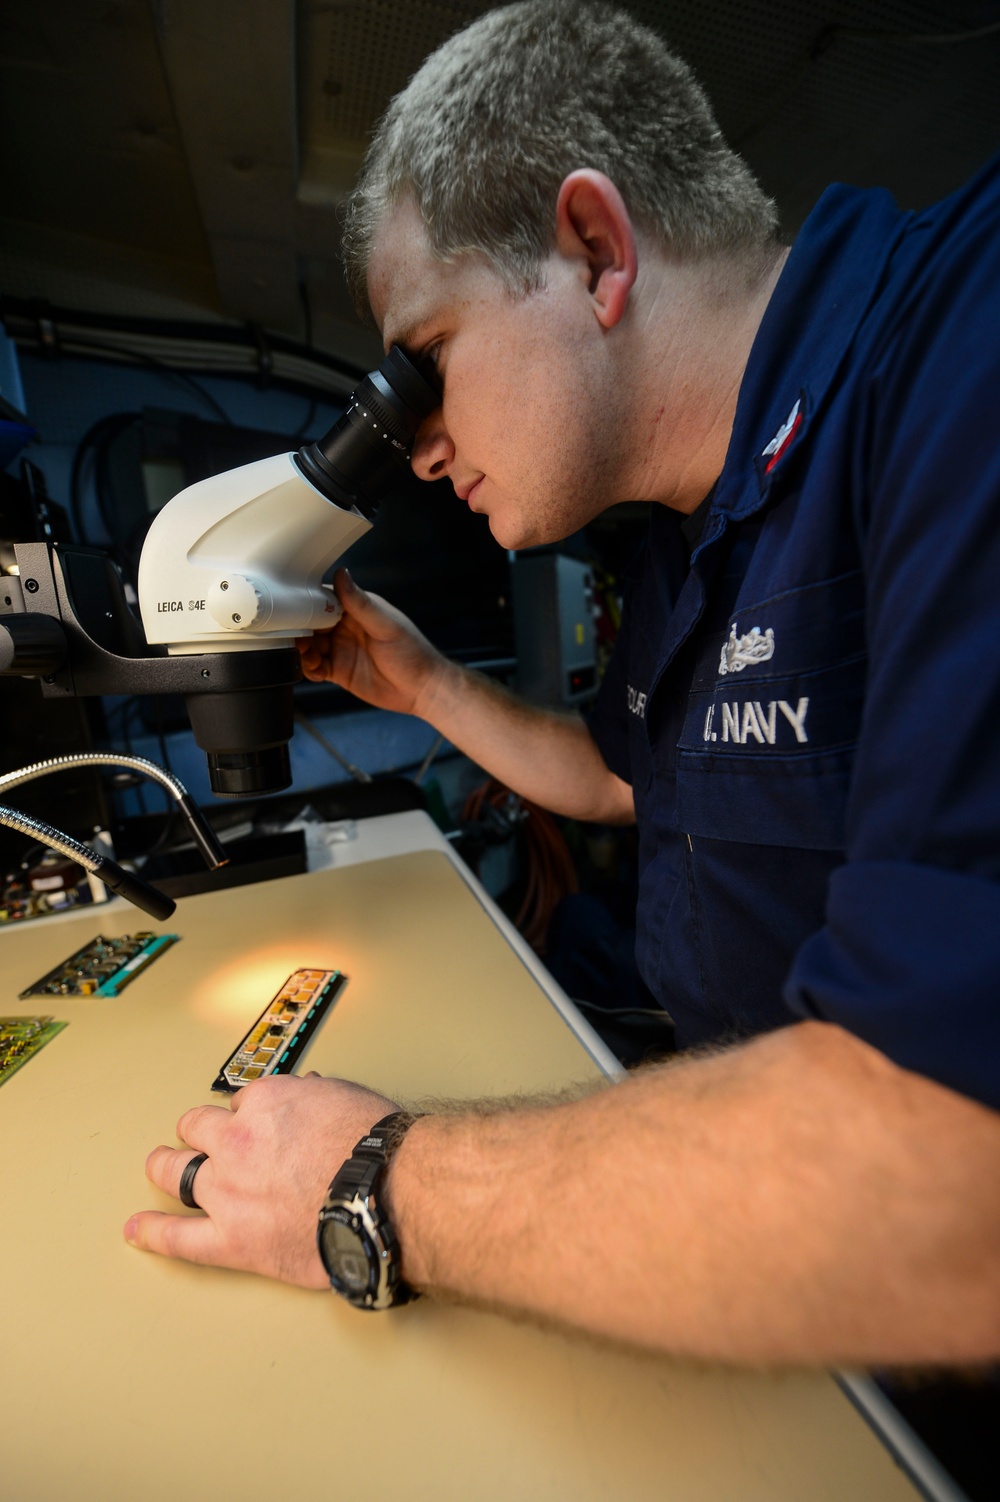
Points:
[[797, 1199], [547, 756]]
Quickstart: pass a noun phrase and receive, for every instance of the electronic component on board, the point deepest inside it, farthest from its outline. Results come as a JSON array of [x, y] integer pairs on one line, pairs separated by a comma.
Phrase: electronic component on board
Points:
[[104, 967], [20, 1040], [277, 1039]]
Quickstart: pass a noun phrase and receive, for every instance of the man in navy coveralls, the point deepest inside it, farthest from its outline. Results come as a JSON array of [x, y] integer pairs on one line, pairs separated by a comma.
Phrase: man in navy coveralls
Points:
[[801, 714]]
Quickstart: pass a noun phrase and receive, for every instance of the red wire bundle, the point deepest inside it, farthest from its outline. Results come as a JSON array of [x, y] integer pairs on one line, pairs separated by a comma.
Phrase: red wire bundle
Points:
[[551, 874]]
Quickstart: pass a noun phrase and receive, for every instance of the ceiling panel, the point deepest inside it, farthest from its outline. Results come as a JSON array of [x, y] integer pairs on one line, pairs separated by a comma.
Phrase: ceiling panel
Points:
[[198, 149]]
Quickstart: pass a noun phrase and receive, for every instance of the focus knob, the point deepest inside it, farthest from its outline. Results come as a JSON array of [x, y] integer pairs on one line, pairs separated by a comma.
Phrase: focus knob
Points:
[[31, 645], [236, 603]]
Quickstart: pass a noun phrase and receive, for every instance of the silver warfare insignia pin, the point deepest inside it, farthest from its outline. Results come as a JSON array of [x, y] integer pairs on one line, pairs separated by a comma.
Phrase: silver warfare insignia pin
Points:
[[741, 652]]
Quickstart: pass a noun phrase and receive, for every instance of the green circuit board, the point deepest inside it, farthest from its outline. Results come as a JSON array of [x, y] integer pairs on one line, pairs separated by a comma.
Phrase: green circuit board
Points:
[[104, 967], [20, 1040]]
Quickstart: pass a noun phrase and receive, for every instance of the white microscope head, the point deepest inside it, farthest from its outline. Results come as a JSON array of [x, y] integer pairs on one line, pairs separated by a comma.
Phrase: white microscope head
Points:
[[236, 562]]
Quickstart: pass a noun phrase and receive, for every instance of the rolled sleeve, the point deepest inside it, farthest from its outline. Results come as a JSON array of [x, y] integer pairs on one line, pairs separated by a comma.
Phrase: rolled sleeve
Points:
[[909, 960]]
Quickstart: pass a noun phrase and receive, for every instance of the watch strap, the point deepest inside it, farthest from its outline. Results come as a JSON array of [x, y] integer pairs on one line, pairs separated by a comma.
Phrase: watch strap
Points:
[[385, 1136], [358, 1178]]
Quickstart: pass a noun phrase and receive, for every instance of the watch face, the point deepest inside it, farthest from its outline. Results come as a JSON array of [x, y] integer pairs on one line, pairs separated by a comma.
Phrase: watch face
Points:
[[346, 1257]]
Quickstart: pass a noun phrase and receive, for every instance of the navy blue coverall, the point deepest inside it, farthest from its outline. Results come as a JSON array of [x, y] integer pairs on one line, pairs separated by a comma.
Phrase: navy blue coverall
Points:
[[808, 706]]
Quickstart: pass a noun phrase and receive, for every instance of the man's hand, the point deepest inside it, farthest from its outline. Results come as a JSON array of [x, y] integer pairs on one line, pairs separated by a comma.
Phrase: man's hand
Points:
[[270, 1161], [374, 651]]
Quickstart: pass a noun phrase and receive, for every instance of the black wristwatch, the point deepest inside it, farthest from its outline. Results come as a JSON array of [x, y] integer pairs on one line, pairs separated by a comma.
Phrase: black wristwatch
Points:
[[357, 1245]]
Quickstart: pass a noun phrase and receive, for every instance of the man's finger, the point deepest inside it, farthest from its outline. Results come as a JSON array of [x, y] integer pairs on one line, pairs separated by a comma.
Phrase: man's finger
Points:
[[165, 1165], [191, 1237], [355, 600], [317, 674], [203, 1127], [315, 650]]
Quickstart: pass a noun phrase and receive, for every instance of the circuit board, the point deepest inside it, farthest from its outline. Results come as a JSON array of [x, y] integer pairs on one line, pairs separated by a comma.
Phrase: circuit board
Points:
[[104, 967], [278, 1038], [20, 1040]]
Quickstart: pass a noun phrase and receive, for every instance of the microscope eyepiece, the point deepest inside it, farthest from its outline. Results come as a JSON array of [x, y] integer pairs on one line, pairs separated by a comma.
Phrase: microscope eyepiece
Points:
[[358, 461], [417, 387]]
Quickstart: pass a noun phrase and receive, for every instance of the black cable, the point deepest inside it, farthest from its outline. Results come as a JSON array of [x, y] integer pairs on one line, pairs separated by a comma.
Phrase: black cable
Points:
[[68, 331], [163, 368], [120, 712], [122, 715], [830, 34], [170, 819], [102, 483], [309, 418], [161, 738], [104, 429], [131, 548], [131, 703]]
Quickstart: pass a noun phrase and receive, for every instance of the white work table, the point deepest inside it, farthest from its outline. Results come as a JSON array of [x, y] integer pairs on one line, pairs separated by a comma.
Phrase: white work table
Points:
[[126, 1376]]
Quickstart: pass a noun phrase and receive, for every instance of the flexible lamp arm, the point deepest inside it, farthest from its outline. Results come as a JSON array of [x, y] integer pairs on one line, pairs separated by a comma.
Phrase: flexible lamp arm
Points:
[[202, 832], [123, 883]]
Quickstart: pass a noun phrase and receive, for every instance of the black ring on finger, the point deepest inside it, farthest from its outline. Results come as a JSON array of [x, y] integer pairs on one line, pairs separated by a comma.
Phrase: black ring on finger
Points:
[[186, 1191]]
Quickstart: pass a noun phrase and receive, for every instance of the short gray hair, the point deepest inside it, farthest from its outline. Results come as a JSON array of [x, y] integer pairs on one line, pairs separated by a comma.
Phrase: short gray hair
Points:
[[491, 124]]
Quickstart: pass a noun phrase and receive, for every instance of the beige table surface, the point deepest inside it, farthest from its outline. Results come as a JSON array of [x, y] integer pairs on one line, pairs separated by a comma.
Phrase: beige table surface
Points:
[[124, 1376]]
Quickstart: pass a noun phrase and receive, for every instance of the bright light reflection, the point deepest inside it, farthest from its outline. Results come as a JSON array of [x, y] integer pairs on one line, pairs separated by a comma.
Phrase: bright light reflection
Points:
[[239, 989]]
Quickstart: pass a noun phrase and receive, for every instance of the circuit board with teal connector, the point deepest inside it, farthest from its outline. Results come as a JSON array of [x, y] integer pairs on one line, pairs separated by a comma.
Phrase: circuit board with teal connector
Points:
[[20, 1040], [104, 967], [278, 1038]]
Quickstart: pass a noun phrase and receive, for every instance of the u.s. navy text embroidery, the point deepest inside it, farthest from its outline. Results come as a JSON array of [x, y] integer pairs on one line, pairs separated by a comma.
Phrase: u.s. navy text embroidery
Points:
[[751, 720]]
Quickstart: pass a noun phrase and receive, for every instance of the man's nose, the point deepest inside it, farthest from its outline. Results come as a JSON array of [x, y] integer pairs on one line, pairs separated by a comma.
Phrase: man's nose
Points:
[[433, 450]]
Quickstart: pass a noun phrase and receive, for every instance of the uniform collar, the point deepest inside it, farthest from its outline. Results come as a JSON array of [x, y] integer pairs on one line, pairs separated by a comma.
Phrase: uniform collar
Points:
[[828, 282]]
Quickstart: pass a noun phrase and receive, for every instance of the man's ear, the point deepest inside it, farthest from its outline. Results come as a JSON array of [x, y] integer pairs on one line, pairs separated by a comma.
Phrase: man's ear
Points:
[[593, 227]]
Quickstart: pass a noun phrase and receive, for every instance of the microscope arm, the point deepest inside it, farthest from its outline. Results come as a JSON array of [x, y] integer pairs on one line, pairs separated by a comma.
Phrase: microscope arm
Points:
[[64, 619]]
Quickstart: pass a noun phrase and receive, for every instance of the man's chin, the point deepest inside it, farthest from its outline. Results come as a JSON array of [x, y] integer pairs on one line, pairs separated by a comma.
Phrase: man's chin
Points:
[[507, 536], [517, 534]]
